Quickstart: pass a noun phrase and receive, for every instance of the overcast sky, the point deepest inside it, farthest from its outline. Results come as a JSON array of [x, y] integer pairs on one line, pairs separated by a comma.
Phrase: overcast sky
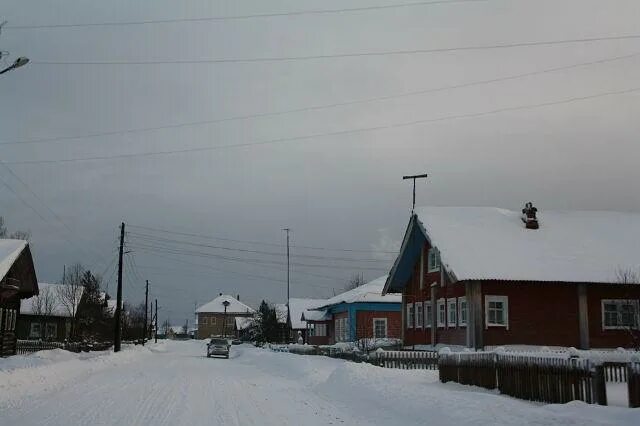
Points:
[[336, 191]]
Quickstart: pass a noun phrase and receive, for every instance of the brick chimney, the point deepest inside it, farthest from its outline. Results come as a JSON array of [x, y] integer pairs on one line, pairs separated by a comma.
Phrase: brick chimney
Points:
[[529, 216], [238, 297]]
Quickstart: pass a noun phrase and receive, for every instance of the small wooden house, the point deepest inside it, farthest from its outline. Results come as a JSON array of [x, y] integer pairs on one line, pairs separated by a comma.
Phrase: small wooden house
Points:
[[17, 281], [481, 276], [361, 313], [297, 324], [48, 316]]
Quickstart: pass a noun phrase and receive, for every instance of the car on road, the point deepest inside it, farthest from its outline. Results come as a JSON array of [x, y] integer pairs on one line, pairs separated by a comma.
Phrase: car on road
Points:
[[218, 347]]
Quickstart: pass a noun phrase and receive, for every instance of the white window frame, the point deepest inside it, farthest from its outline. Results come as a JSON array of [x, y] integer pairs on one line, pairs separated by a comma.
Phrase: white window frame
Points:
[[32, 330], [505, 303], [320, 330], [428, 314], [419, 313], [205, 321], [633, 302], [386, 330], [452, 323], [410, 315], [442, 323], [462, 321], [434, 265]]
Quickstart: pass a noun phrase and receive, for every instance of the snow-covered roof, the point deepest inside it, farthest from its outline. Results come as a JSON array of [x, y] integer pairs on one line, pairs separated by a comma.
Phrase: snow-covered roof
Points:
[[369, 292], [569, 246], [57, 306], [9, 252], [216, 306], [299, 307], [312, 315], [281, 312], [242, 323]]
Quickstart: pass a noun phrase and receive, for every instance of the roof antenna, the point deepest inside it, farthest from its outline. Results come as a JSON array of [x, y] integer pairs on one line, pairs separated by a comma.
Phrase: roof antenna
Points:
[[414, 177]]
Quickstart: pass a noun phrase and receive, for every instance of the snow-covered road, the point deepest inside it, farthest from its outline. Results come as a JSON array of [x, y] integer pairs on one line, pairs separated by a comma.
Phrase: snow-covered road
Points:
[[172, 383]]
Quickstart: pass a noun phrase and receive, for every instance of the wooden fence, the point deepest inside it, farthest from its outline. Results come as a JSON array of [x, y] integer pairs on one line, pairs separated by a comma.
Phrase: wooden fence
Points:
[[615, 372], [633, 382], [551, 380], [30, 346], [406, 360]]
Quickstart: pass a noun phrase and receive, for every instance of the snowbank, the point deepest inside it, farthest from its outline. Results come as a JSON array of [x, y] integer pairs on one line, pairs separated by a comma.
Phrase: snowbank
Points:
[[46, 371]]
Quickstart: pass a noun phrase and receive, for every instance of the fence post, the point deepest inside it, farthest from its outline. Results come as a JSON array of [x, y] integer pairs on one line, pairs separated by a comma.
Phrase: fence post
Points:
[[599, 385]]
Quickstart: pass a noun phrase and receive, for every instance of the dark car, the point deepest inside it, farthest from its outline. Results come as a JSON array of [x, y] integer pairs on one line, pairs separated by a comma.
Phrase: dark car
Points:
[[218, 347]]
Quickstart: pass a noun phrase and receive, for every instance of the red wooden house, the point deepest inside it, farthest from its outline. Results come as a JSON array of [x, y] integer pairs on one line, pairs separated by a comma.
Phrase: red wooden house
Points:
[[360, 313], [483, 276]]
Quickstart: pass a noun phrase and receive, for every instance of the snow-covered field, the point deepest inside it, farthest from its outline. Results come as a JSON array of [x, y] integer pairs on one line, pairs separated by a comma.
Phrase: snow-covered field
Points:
[[172, 383]]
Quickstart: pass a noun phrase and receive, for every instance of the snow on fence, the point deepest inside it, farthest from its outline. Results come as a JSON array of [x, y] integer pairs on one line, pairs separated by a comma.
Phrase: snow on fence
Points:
[[551, 380], [633, 382], [407, 360], [30, 346]]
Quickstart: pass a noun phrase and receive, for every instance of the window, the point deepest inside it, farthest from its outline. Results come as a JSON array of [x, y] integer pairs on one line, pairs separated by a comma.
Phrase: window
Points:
[[35, 331], [320, 330], [1, 319], [462, 311], [51, 330], [212, 320], [204, 320], [619, 314], [380, 328], [453, 313], [434, 260], [342, 329], [442, 313], [419, 315], [428, 314], [496, 311], [410, 316]]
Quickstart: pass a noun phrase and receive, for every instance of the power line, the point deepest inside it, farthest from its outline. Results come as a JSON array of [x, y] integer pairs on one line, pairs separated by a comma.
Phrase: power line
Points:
[[318, 107], [243, 17], [261, 262], [352, 54], [152, 238], [336, 133], [208, 237]]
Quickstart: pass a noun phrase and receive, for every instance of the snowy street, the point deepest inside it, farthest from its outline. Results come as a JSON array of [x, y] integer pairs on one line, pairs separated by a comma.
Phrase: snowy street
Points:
[[173, 383]]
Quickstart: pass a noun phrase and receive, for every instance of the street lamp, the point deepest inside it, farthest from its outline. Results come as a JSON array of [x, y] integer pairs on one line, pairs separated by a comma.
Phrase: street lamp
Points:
[[224, 321], [20, 62]]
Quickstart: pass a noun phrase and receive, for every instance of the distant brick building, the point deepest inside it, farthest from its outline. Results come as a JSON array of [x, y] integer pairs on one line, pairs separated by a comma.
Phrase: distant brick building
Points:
[[212, 316], [356, 314], [481, 277]]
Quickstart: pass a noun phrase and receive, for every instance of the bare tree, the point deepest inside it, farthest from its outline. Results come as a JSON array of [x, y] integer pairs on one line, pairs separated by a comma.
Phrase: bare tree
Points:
[[630, 321], [16, 235], [43, 306], [70, 293], [355, 281]]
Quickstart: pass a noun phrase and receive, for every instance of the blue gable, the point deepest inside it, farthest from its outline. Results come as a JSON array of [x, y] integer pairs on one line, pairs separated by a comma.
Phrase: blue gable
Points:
[[412, 244]]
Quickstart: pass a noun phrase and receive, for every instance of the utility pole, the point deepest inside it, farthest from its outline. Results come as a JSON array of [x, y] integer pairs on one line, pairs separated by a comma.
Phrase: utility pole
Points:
[[118, 316], [156, 328], [287, 230], [146, 308], [414, 177]]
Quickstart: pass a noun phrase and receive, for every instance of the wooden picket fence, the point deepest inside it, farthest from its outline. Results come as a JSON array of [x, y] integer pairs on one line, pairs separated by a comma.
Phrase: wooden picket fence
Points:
[[407, 360], [551, 380], [633, 382], [615, 372], [30, 346]]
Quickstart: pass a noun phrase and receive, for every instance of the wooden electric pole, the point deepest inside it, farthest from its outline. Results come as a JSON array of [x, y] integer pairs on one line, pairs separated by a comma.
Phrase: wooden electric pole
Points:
[[118, 316], [287, 230], [146, 308], [414, 177], [156, 328]]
